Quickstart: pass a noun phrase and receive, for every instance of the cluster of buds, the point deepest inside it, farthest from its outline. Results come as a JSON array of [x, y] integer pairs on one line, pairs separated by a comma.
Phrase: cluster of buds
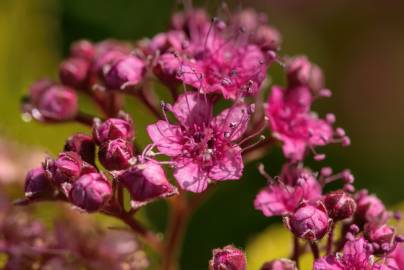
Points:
[[211, 60], [29, 245]]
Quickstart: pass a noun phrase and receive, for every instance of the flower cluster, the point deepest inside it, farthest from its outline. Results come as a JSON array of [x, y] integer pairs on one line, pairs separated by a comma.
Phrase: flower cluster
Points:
[[204, 135], [71, 244]]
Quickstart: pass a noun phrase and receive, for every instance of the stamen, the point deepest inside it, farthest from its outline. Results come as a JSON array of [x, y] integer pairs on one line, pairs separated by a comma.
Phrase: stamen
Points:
[[262, 171], [261, 138]]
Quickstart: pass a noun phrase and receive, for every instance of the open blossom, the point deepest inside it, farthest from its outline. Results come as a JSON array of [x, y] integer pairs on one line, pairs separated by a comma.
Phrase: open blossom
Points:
[[283, 196], [292, 122], [202, 147], [355, 256]]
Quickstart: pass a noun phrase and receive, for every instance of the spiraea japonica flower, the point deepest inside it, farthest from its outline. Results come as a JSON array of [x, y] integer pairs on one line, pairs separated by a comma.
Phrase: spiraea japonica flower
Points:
[[291, 119], [37, 182], [228, 258], [202, 147], [283, 195], [356, 255]]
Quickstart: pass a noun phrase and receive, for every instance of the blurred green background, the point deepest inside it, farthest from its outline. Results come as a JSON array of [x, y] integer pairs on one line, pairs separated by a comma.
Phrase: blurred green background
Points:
[[359, 44]]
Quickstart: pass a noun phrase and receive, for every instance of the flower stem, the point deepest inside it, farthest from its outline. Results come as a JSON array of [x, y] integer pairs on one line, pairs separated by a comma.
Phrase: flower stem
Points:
[[315, 250], [330, 239], [178, 221], [296, 251], [84, 118]]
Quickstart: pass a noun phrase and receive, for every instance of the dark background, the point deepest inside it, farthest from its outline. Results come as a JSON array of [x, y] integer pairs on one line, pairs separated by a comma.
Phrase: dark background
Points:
[[359, 44]]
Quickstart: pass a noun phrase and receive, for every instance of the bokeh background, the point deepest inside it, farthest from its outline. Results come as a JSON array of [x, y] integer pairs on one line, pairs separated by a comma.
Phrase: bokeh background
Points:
[[359, 44]]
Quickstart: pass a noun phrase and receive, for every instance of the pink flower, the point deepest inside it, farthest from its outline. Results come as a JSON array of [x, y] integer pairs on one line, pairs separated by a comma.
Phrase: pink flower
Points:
[[355, 256], [292, 122], [201, 146], [283, 196], [226, 69]]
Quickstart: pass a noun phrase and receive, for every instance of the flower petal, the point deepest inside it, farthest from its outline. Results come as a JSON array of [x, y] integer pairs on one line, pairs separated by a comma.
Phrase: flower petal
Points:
[[233, 121], [328, 263], [167, 137], [230, 167], [192, 108], [190, 176]]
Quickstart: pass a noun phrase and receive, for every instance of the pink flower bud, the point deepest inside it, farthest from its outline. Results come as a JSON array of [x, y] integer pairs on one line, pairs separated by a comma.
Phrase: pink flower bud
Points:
[[66, 168], [113, 128], [83, 49], [58, 103], [83, 145], [74, 72], [127, 71], [382, 235], [370, 208], [105, 60], [228, 258], [91, 191], [339, 205], [37, 89], [268, 38], [146, 182], [116, 154], [37, 183], [300, 71], [309, 222], [281, 264], [166, 68]]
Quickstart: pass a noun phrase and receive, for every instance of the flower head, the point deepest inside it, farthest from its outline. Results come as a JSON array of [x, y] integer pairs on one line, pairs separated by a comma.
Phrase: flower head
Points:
[[355, 256], [201, 146], [291, 121], [282, 197]]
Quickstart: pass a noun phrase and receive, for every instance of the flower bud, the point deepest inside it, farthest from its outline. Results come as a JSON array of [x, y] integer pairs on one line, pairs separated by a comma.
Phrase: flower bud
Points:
[[116, 154], [66, 168], [74, 72], [228, 258], [91, 191], [281, 264], [37, 183], [166, 68], [127, 71], [105, 60], [300, 71], [37, 89], [58, 103], [83, 145], [113, 128], [382, 237], [309, 222], [339, 205], [268, 38], [370, 208], [83, 49], [146, 182]]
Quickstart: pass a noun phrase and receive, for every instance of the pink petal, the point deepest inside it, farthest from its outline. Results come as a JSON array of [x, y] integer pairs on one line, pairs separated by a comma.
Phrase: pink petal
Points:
[[328, 263], [277, 200], [192, 108], [167, 137], [190, 176], [237, 116], [230, 167], [293, 149]]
